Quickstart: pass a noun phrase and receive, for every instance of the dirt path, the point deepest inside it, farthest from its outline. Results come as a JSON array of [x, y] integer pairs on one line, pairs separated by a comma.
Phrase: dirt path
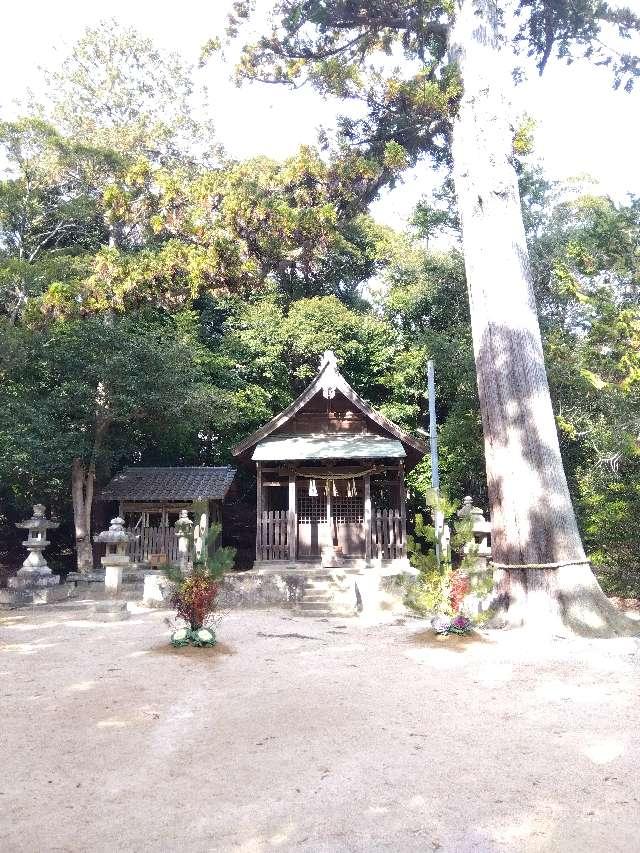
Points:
[[304, 735]]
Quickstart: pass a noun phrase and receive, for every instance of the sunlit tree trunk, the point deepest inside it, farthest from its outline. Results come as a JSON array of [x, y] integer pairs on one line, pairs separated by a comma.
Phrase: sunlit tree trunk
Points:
[[82, 484], [543, 575], [83, 478]]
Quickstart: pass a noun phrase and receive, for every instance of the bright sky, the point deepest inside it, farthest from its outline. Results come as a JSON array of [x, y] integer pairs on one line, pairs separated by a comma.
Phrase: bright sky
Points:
[[584, 127]]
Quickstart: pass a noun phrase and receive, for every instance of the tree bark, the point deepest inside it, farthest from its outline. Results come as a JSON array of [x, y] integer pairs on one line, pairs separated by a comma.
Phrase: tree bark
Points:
[[82, 483], [543, 577], [82, 487]]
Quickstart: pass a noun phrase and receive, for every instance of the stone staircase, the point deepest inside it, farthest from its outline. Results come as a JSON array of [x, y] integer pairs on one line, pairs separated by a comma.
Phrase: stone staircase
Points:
[[325, 595]]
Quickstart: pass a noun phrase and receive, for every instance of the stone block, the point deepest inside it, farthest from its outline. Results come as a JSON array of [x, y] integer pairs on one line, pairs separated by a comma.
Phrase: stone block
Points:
[[110, 611], [35, 581], [15, 597], [156, 590], [53, 594]]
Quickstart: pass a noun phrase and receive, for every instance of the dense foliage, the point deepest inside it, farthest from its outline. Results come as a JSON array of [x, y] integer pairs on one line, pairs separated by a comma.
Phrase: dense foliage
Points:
[[160, 300]]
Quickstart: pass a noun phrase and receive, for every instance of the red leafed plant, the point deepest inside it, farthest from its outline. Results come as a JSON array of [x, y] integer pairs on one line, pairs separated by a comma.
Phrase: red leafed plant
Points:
[[460, 587], [195, 599], [194, 595]]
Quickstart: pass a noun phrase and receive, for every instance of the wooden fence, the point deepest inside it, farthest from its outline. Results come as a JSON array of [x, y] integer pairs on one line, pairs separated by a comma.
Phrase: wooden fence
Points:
[[153, 541], [388, 534], [272, 539]]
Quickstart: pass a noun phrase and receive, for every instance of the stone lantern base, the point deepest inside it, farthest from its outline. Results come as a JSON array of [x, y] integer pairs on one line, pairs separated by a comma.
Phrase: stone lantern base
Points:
[[35, 589]]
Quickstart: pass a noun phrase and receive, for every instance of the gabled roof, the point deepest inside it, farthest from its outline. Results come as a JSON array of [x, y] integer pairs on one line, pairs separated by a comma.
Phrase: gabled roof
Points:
[[169, 484], [328, 381], [327, 446]]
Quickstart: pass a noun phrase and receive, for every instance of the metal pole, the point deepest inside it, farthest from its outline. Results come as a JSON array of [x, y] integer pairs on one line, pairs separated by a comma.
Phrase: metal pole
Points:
[[433, 434], [435, 474]]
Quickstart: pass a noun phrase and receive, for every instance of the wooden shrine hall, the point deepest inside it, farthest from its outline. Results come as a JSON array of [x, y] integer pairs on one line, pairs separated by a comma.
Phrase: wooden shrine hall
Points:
[[330, 476]]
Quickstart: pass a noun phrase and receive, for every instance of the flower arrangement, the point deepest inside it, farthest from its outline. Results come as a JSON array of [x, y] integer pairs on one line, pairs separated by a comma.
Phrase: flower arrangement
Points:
[[201, 637], [460, 625], [194, 595], [443, 624]]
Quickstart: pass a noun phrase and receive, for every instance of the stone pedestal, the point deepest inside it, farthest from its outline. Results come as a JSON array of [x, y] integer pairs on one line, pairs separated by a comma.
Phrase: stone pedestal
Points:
[[43, 590], [112, 579], [156, 590]]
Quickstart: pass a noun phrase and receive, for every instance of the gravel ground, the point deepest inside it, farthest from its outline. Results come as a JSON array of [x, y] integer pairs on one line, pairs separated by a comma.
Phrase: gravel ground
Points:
[[313, 735]]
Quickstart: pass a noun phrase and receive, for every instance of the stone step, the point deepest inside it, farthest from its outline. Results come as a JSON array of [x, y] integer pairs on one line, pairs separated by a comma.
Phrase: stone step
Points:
[[318, 612], [315, 602], [325, 612]]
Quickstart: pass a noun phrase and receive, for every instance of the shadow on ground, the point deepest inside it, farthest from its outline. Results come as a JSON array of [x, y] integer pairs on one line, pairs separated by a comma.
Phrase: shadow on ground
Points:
[[203, 653], [449, 642]]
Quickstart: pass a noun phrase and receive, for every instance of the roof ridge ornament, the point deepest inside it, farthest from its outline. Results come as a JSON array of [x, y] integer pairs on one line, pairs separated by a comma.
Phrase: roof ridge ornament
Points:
[[329, 364]]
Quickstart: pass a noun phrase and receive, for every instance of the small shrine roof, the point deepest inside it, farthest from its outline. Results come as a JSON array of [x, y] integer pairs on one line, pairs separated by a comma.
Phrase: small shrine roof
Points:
[[166, 484]]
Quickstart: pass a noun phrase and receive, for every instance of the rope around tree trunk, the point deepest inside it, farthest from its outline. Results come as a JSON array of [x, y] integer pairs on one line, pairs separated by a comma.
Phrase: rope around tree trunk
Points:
[[510, 566]]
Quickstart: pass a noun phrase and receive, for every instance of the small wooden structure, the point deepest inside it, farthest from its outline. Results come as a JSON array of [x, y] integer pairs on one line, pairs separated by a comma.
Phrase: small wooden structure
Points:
[[330, 479], [150, 501]]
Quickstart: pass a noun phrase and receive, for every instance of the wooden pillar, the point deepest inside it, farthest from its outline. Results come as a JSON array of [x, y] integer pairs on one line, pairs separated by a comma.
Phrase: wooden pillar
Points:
[[403, 509], [292, 519], [367, 516], [328, 489], [258, 511]]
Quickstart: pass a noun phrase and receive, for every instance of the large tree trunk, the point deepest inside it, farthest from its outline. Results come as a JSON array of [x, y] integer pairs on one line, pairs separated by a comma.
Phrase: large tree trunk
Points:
[[543, 575], [82, 482], [82, 485]]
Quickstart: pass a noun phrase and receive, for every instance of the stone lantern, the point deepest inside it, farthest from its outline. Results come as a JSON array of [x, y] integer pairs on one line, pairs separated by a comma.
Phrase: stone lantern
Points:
[[184, 532], [34, 583], [116, 559], [481, 532], [35, 566]]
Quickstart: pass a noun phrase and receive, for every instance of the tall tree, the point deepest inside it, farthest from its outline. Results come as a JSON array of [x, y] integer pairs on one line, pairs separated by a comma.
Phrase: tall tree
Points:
[[455, 106], [117, 90]]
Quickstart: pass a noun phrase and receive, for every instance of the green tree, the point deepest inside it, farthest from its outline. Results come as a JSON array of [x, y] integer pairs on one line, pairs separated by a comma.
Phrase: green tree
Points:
[[452, 102], [51, 217], [78, 396], [116, 90]]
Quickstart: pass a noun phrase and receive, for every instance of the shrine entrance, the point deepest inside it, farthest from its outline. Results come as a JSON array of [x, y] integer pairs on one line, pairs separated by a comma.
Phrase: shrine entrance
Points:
[[332, 516]]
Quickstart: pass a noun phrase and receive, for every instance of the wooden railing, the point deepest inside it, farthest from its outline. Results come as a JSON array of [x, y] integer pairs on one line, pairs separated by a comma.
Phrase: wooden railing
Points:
[[153, 541], [272, 539], [388, 534]]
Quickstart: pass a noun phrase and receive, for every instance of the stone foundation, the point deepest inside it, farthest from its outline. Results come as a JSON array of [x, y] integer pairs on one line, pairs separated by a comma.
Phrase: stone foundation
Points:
[[47, 589], [315, 591], [257, 589]]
